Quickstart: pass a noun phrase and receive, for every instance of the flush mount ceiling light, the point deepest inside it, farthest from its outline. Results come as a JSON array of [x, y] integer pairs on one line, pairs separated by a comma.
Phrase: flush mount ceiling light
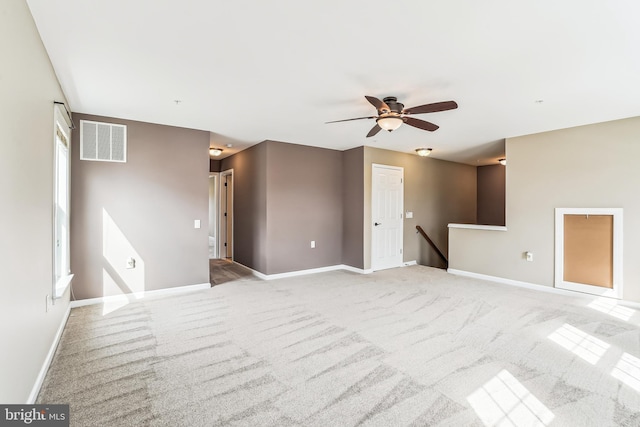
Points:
[[424, 152], [503, 162], [215, 151]]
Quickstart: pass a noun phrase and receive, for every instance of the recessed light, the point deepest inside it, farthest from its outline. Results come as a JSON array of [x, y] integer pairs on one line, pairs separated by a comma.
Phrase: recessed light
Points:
[[229, 145], [215, 151]]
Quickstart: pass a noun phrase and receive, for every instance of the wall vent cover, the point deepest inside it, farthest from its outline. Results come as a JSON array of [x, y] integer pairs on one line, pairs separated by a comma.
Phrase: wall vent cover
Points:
[[103, 142]]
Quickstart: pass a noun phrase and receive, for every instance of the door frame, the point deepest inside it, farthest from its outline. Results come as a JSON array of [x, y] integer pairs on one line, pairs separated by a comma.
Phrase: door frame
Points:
[[373, 190], [559, 281], [223, 174], [215, 215]]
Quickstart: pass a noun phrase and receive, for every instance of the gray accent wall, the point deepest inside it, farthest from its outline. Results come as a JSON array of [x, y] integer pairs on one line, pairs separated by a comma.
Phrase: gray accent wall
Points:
[[144, 209], [29, 86], [304, 203], [436, 191], [250, 206], [491, 194], [214, 165], [353, 207], [286, 195]]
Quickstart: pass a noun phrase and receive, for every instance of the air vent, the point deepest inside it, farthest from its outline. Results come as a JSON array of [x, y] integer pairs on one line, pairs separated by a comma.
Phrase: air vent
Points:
[[103, 142]]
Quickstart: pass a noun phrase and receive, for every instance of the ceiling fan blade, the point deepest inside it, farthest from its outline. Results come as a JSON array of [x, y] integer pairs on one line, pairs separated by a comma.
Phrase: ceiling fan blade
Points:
[[380, 105], [374, 130], [431, 108], [420, 124], [348, 120]]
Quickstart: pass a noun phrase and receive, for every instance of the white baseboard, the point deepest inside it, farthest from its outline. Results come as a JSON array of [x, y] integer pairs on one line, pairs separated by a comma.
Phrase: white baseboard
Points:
[[355, 269], [304, 272], [139, 295], [536, 287], [47, 361]]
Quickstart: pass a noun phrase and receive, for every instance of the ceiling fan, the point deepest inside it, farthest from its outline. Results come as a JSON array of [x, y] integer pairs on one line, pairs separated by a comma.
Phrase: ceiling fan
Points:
[[391, 114]]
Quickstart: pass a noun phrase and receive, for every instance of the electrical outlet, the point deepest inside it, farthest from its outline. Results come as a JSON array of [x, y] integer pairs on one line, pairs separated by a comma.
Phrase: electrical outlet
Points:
[[529, 256], [131, 263]]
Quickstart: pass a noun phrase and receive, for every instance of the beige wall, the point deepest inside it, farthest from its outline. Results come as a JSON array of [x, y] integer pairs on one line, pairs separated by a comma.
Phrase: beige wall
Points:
[[436, 191], [29, 87], [591, 166], [144, 208], [491, 194]]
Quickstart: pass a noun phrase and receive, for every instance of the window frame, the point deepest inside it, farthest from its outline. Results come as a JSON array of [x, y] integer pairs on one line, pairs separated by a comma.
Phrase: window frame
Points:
[[62, 281]]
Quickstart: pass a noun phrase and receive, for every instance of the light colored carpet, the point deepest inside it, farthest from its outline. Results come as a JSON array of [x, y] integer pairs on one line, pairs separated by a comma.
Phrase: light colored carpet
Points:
[[413, 346]]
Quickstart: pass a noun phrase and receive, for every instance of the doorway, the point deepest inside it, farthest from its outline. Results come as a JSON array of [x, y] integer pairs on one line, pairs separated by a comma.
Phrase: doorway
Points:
[[387, 225], [226, 214], [213, 215], [589, 251]]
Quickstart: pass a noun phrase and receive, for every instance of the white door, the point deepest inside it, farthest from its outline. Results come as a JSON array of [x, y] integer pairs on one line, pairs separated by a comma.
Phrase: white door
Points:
[[387, 189]]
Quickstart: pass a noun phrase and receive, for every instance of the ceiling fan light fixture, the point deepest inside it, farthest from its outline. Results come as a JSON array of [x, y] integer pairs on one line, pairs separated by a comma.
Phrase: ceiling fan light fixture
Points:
[[215, 151], [389, 123], [424, 152], [503, 162]]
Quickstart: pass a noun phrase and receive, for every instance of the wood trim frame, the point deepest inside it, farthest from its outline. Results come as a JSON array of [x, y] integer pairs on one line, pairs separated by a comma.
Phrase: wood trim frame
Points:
[[559, 281]]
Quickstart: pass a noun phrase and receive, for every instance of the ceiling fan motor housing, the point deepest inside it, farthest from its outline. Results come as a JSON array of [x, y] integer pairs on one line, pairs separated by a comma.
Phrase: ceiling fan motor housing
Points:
[[394, 105]]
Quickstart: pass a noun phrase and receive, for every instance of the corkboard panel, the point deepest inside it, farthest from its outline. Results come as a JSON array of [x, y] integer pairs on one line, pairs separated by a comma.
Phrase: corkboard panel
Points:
[[588, 249]]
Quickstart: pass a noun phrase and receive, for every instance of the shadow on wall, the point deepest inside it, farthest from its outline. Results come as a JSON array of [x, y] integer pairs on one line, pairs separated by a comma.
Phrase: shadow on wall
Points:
[[123, 268]]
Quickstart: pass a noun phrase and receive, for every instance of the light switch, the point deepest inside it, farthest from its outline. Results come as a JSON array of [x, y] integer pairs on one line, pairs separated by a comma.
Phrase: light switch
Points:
[[196, 223], [313, 244], [408, 215]]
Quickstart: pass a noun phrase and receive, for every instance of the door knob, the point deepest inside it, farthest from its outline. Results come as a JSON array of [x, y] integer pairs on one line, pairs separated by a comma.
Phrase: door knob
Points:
[[377, 223]]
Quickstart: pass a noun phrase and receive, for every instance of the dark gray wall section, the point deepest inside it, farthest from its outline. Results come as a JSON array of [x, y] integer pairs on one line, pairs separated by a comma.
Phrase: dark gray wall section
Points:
[[250, 206], [287, 195], [353, 207], [153, 199], [214, 165], [491, 194], [304, 203]]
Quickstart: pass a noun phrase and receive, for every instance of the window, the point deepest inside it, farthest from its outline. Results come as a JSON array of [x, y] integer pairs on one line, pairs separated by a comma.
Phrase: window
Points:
[[61, 240]]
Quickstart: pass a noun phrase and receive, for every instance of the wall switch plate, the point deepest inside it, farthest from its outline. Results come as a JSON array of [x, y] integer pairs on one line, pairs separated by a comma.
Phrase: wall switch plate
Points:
[[196, 223], [131, 263], [408, 215], [529, 256], [313, 244]]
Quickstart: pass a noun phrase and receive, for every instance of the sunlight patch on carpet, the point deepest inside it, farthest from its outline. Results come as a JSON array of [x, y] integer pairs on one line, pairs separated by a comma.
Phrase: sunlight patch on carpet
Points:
[[504, 401], [579, 343]]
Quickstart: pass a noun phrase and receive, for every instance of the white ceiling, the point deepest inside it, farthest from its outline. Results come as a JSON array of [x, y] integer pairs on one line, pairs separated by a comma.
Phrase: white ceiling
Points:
[[250, 70]]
